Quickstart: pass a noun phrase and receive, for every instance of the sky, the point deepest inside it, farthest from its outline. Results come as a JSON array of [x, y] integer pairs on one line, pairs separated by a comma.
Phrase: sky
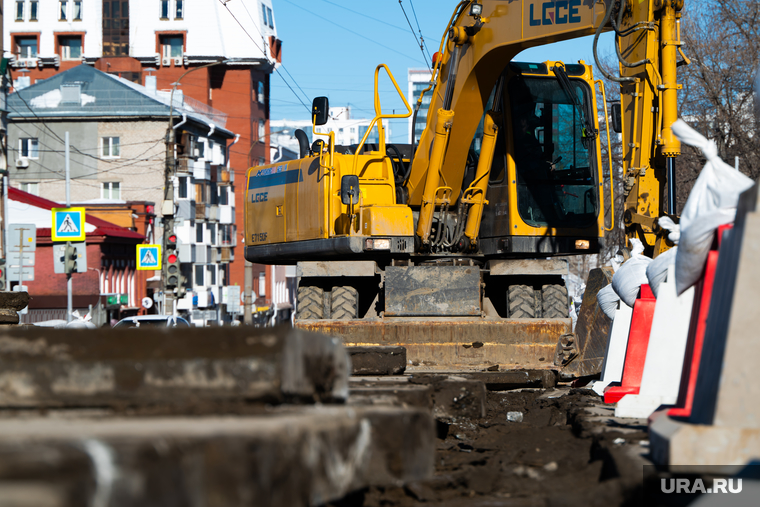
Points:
[[331, 48]]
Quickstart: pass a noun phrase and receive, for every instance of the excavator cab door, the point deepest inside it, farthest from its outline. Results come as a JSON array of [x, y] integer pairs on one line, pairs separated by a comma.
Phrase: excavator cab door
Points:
[[553, 131]]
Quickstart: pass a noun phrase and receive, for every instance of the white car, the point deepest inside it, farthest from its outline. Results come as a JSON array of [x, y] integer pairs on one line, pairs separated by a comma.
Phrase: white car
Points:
[[152, 321]]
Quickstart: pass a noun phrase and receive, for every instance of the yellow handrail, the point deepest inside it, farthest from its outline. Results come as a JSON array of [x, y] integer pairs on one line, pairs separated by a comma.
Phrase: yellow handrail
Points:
[[609, 158], [380, 116]]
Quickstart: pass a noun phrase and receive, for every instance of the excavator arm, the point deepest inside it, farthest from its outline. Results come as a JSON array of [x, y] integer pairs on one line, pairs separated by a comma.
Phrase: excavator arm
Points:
[[472, 55]]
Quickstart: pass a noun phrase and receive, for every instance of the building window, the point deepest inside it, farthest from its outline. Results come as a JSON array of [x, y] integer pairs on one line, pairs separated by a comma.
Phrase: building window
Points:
[[223, 196], [20, 10], [32, 188], [164, 9], [227, 234], [211, 268], [115, 28], [212, 234], [179, 11], [182, 187], [266, 16], [77, 11], [110, 147], [33, 10], [199, 275], [262, 285], [62, 8], [261, 92], [199, 232], [26, 47], [28, 147], [172, 46], [110, 190], [71, 47], [262, 130]]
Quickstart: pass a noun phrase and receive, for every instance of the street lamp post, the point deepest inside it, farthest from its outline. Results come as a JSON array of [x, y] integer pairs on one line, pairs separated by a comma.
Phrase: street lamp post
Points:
[[167, 209]]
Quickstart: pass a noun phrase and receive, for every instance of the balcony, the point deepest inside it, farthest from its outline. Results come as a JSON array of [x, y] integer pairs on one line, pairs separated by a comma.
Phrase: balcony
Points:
[[228, 254], [200, 211], [226, 215]]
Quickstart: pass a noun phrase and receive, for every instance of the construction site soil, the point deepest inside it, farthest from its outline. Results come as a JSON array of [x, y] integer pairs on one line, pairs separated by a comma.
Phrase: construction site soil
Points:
[[555, 456]]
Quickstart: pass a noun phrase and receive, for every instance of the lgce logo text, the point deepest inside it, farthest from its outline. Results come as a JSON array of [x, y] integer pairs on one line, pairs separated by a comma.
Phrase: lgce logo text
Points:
[[698, 486], [559, 12]]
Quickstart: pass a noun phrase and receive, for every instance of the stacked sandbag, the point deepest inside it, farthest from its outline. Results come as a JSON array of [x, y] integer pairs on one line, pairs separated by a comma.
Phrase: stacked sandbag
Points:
[[632, 274], [657, 271], [712, 203], [608, 300]]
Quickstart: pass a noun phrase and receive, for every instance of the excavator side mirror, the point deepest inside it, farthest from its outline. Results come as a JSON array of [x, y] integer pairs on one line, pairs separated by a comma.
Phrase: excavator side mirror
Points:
[[349, 189], [320, 108], [617, 118]]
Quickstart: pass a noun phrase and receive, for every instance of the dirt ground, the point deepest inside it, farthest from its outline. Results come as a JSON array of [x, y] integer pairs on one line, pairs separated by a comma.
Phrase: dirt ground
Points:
[[553, 457]]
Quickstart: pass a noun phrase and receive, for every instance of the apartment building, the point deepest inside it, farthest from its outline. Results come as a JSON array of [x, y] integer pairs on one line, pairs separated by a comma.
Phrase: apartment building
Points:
[[231, 49], [117, 134]]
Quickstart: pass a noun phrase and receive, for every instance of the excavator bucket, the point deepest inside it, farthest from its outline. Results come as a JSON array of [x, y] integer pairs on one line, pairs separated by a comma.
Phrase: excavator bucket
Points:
[[582, 353]]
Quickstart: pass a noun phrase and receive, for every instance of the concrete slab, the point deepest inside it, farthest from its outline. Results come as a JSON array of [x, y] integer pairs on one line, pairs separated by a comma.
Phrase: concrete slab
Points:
[[455, 343], [377, 360], [681, 445], [51, 368], [446, 396], [291, 457], [512, 379], [12, 300]]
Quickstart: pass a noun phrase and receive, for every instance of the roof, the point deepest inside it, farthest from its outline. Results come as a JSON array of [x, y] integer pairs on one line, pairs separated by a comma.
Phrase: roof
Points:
[[93, 225], [105, 95]]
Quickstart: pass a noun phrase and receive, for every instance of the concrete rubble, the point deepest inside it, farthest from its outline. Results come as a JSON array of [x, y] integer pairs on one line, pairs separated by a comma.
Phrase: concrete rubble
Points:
[[147, 417]]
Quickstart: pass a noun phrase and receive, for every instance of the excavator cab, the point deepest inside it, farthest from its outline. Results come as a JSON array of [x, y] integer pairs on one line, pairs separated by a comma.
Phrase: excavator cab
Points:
[[546, 169]]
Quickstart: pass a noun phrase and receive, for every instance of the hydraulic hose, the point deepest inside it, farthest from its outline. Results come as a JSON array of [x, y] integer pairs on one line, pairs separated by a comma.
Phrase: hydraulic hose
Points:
[[595, 45]]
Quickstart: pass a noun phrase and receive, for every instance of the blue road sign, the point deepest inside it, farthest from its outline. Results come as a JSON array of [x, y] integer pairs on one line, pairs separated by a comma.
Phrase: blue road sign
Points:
[[68, 224], [149, 257]]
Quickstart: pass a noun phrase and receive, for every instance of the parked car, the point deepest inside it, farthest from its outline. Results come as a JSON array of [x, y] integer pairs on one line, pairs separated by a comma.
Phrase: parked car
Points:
[[152, 321]]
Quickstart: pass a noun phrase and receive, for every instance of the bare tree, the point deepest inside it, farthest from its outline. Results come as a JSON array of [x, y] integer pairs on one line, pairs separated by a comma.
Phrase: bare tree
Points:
[[722, 40]]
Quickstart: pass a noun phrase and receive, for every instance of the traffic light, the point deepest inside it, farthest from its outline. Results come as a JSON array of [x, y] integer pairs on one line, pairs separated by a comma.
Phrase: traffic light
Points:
[[173, 274], [70, 259]]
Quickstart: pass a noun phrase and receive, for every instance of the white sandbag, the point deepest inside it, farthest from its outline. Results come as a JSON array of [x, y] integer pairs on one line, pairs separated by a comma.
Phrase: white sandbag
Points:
[[657, 271], [632, 274], [711, 203], [608, 301], [674, 230]]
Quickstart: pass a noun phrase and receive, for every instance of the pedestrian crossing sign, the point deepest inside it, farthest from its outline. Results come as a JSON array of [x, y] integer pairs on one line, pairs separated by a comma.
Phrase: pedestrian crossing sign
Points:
[[148, 257], [68, 224]]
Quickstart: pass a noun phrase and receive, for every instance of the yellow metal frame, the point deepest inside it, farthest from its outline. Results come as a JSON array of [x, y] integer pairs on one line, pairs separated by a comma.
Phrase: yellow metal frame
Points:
[[609, 157], [380, 116]]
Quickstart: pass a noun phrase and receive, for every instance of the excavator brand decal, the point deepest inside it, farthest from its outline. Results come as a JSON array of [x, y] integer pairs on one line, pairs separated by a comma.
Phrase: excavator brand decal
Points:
[[273, 177], [559, 12]]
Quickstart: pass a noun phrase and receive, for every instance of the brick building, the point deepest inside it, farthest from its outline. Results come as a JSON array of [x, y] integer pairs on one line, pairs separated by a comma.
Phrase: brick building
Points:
[[117, 133], [110, 263], [161, 40]]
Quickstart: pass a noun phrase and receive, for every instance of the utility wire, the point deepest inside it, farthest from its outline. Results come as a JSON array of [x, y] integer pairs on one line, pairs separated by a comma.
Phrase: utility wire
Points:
[[365, 16], [351, 31], [275, 69], [263, 40], [430, 58], [418, 42]]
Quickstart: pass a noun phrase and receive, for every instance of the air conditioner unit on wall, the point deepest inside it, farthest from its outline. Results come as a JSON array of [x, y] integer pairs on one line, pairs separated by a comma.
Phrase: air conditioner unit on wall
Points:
[[166, 62], [22, 163], [178, 61]]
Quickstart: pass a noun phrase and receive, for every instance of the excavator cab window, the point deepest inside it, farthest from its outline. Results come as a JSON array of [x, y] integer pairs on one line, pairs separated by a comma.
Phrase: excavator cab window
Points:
[[553, 157]]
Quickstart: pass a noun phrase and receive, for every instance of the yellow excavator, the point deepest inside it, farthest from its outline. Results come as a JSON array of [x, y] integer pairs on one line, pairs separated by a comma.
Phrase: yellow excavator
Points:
[[455, 246]]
